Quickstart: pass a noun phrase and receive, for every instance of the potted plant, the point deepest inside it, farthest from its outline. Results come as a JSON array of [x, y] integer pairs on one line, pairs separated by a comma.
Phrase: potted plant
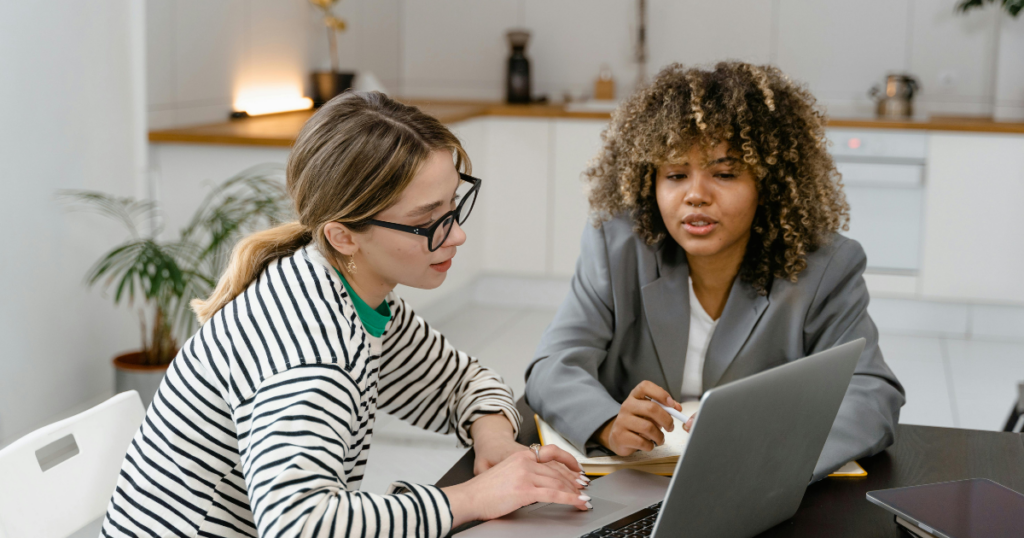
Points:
[[327, 84], [167, 274]]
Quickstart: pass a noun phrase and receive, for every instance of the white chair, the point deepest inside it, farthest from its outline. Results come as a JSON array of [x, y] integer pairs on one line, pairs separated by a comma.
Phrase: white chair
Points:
[[59, 478], [1015, 423]]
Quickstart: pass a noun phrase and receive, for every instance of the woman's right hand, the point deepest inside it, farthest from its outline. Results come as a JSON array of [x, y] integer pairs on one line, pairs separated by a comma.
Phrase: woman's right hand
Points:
[[519, 480], [640, 421]]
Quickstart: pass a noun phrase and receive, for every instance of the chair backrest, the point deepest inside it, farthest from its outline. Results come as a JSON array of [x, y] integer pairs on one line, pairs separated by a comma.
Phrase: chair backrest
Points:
[[59, 478], [1015, 423]]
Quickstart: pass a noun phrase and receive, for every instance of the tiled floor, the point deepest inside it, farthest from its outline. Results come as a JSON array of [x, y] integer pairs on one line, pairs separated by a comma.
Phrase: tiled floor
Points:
[[951, 381]]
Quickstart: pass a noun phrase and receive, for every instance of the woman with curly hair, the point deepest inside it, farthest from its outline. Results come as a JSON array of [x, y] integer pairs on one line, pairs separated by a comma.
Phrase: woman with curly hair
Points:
[[715, 255]]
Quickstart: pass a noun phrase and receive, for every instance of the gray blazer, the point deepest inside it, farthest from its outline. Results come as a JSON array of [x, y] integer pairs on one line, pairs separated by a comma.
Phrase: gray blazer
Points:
[[627, 317]]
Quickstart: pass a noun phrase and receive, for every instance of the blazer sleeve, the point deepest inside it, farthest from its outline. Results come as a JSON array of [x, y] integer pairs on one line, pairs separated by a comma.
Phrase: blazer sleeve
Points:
[[573, 348], [292, 439], [425, 381], [838, 314]]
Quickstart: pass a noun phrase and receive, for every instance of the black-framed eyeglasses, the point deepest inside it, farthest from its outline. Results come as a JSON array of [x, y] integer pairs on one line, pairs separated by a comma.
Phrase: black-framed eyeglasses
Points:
[[437, 233]]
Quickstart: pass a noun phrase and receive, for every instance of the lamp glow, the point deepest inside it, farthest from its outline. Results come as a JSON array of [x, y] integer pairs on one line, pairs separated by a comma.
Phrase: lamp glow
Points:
[[259, 103]]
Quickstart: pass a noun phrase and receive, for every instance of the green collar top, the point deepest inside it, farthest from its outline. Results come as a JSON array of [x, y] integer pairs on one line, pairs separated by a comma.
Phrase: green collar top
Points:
[[375, 320]]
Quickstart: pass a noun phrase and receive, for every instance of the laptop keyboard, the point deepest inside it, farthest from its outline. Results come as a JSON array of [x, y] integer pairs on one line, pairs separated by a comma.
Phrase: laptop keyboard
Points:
[[637, 524]]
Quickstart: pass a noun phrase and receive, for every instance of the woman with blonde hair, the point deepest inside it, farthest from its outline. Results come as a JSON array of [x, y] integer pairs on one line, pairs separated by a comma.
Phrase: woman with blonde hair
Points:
[[263, 423], [715, 255]]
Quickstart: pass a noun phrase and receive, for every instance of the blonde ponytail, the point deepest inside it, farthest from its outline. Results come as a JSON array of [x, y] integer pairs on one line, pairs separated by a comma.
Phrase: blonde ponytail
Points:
[[248, 259]]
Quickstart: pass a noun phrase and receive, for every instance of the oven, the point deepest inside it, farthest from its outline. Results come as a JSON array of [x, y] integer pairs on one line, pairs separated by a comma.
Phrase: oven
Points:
[[883, 173]]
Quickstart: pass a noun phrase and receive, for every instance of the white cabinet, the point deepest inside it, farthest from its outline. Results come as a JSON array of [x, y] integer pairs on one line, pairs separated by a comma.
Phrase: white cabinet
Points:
[[974, 228], [576, 142], [532, 207], [515, 195]]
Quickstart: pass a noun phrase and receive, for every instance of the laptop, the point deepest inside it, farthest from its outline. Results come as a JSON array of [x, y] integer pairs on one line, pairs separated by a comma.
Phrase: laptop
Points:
[[751, 455]]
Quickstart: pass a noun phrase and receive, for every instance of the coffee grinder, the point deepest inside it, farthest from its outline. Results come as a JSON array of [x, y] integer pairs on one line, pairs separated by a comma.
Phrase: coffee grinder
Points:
[[517, 87]]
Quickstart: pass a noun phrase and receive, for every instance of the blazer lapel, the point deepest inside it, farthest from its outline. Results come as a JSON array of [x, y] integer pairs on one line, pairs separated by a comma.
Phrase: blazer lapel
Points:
[[667, 308], [742, 311]]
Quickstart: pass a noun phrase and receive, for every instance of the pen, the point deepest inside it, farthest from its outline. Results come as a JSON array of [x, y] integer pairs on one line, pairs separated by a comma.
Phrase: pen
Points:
[[675, 414]]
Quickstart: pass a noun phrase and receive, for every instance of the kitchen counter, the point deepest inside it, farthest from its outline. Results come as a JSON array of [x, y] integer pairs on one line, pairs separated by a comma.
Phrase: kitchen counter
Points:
[[281, 129]]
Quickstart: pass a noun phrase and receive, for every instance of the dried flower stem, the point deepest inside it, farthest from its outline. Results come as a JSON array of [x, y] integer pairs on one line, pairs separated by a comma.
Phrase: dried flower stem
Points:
[[332, 40]]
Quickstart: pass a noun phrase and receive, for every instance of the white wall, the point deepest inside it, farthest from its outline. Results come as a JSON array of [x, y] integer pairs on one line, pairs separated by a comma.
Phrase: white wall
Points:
[[840, 49], [204, 52], [201, 53], [71, 117], [456, 48]]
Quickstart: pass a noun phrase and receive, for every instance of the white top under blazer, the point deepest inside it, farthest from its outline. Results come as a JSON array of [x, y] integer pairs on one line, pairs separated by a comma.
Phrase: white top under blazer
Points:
[[262, 425], [702, 328]]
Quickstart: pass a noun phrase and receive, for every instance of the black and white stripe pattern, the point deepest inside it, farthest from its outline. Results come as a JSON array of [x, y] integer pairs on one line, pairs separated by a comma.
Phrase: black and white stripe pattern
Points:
[[262, 425]]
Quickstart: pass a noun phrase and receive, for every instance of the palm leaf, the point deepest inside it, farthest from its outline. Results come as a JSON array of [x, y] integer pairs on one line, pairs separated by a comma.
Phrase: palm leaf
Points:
[[179, 311], [144, 264], [128, 211], [252, 200], [1013, 7]]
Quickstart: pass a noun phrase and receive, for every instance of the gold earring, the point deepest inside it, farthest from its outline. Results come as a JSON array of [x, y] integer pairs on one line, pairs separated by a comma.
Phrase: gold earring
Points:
[[351, 265]]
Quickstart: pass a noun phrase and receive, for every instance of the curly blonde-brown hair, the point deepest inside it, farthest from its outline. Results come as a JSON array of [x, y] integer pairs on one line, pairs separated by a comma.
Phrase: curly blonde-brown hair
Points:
[[768, 120]]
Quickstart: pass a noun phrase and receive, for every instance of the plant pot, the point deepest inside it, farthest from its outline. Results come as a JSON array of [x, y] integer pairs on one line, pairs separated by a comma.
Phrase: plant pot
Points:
[[131, 374], [328, 84]]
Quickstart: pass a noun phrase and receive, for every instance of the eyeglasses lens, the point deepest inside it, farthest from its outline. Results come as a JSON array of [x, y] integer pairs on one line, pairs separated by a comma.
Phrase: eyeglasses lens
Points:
[[441, 233], [467, 197]]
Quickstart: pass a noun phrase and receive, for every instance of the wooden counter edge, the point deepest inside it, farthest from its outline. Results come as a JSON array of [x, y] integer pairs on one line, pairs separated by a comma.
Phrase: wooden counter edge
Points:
[[196, 134], [181, 137]]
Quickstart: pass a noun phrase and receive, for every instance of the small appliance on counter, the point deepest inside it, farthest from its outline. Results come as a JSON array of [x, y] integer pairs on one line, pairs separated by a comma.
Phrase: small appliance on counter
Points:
[[517, 87], [895, 101]]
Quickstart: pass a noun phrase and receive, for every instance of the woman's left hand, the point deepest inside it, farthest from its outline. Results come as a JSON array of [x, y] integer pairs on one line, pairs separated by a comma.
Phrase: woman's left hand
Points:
[[491, 451], [493, 443]]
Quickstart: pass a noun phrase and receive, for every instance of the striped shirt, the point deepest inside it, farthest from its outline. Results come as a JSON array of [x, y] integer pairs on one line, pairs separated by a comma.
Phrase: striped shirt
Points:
[[262, 425]]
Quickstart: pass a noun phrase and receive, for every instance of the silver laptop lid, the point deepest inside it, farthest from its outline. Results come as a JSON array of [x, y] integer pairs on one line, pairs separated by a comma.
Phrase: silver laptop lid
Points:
[[754, 446]]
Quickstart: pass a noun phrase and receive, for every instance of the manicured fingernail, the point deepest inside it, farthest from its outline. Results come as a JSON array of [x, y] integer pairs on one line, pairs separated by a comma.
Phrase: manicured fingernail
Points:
[[581, 482], [590, 506], [585, 477], [584, 498]]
